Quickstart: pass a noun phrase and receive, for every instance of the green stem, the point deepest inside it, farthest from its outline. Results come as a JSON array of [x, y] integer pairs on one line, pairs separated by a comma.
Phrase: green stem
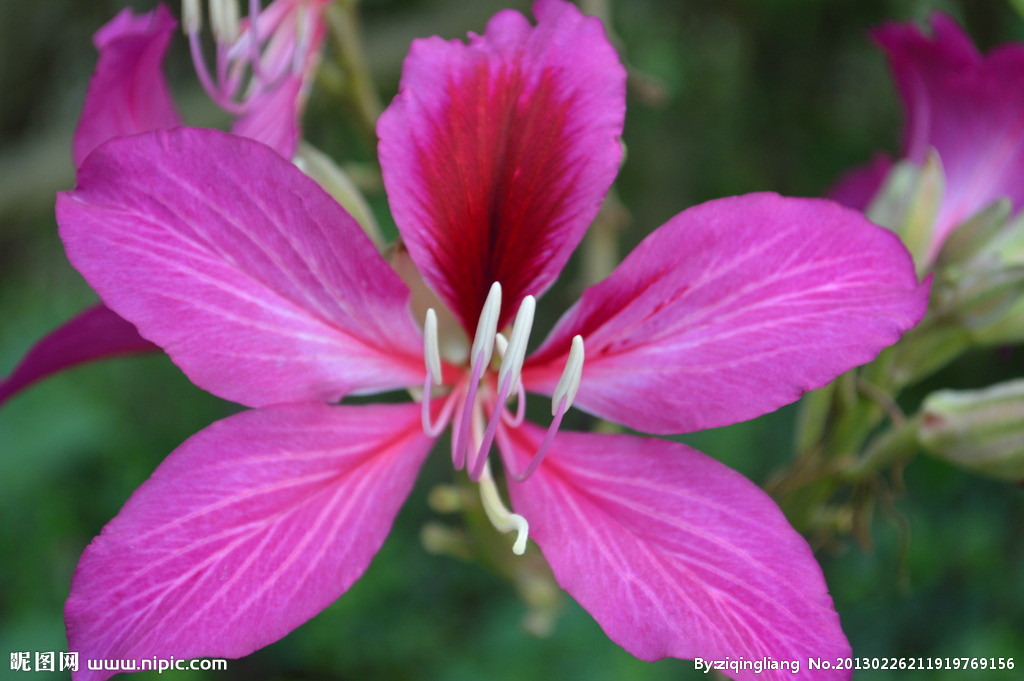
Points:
[[343, 18]]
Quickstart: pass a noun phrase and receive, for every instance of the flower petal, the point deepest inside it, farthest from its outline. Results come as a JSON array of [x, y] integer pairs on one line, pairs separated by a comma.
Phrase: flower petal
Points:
[[968, 107], [256, 283], [95, 333], [128, 92], [243, 533], [674, 554], [274, 118], [732, 309], [497, 154]]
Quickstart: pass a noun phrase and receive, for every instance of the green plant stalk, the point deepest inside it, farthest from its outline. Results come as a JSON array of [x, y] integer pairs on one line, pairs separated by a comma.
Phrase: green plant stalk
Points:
[[343, 19]]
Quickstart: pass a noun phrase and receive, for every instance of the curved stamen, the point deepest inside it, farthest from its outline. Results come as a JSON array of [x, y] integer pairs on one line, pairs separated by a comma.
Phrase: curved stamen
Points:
[[508, 375], [503, 520], [517, 420], [561, 400], [480, 357], [435, 429], [432, 360], [542, 450], [192, 23]]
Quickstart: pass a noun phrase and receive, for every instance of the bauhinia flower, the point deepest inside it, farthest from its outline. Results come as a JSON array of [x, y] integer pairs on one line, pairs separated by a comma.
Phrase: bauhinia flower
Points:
[[496, 156], [260, 76], [965, 106]]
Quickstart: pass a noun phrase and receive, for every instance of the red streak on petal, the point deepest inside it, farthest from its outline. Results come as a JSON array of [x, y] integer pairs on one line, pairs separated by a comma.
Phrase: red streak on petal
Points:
[[503, 185]]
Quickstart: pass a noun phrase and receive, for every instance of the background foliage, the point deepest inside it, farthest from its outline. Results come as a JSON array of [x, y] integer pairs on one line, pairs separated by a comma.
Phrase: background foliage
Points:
[[737, 96]]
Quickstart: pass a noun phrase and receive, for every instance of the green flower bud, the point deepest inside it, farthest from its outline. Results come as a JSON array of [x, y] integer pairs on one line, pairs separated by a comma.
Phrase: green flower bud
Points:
[[980, 430], [909, 202]]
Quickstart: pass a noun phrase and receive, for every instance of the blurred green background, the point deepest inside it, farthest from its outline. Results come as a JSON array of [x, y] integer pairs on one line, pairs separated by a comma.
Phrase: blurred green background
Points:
[[737, 96]]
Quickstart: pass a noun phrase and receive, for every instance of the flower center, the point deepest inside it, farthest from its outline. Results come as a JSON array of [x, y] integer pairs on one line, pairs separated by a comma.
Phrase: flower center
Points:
[[252, 57], [481, 398]]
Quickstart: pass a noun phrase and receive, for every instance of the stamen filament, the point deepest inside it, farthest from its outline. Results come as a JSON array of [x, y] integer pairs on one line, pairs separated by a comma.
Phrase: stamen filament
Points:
[[476, 464], [542, 450], [202, 71], [517, 420], [459, 443], [254, 39], [503, 520], [480, 357], [435, 429]]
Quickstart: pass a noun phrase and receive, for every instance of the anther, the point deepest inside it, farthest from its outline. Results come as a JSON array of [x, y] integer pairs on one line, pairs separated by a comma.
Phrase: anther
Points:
[[431, 352], [512, 363], [487, 327], [224, 20], [569, 383], [191, 16], [561, 400], [503, 520]]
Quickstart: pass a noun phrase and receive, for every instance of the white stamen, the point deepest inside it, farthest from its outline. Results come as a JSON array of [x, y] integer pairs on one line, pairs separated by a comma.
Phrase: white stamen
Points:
[[431, 353], [224, 20], [487, 327], [503, 520], [512, 363], [191, 16], [569, 383], [502, 343]]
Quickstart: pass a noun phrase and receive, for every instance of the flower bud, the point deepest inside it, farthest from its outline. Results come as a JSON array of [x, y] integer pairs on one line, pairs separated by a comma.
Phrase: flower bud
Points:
[[980, 430], [909, 202]]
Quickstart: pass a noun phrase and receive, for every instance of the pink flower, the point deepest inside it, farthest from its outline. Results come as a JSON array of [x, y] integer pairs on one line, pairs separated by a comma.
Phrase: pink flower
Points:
[[263, 82], [496, 156], [964, 105]]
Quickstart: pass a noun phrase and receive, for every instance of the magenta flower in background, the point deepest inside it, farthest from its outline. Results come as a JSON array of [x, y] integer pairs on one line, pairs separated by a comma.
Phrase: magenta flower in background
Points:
[[496, 156], [967, 106], [262, 82]]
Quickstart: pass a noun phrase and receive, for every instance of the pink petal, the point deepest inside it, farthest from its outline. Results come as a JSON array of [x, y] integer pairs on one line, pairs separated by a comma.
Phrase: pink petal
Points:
[[274, 118], [128, 92], [244, 532], [733, 309], [969, 107], [858, 187], [256, 283], [675, 554], [98, 332], [496, 155]]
